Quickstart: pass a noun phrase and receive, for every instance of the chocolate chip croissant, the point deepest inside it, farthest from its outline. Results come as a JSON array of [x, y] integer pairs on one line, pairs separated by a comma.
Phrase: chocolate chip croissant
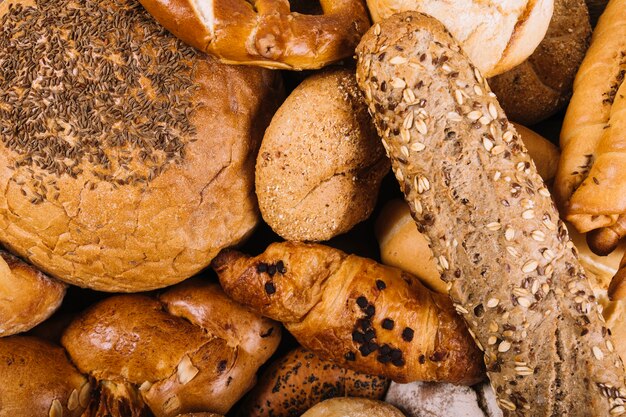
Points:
[[360, 314]]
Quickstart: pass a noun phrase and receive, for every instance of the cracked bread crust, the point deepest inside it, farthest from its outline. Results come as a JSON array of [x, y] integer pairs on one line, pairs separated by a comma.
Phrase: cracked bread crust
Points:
[[321, 163], [513, 272], [158, 179], [193, 349]]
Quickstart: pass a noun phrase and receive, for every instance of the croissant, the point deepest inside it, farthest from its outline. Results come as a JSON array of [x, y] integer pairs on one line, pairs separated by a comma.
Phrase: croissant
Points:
[[362, 315]]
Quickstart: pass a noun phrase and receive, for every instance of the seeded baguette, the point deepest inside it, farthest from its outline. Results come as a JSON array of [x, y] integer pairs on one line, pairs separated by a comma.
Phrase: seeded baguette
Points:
[[513, 273]]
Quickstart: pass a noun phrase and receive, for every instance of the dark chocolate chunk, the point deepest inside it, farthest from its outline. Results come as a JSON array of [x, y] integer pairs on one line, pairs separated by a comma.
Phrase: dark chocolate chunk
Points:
[[361, 302], [261, 268], [270, 288], [388, 324], [380, 284], [407, 334], [350, 356]]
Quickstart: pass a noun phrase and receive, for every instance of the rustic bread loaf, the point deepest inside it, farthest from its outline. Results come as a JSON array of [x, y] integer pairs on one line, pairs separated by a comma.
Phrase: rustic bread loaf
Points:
[[542, 85], [321, 163], [361, 315], [265, 32], [301, 379], [38, 380], [27, 296], [496, 34], [353, 407], [474, 192], [112, 174], [194, 349]]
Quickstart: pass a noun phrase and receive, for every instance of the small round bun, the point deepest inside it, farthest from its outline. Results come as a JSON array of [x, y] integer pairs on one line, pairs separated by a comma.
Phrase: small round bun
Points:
[[28, 296], [353, 407], [129, 166], [321, 162], [38, 380], [496, 35]]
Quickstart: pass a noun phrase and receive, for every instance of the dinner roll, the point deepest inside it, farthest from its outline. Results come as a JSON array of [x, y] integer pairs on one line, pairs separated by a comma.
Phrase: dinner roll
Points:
[[353, 407]]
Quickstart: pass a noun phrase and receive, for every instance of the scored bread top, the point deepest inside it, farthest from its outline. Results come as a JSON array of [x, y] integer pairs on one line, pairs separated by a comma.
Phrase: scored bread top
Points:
[[113, 175]]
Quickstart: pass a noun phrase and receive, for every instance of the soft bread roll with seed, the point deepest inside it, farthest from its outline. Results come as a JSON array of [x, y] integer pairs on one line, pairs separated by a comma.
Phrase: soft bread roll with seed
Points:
[[28, 297], [353, 407], [266, 32], [39, 380], [355, 312], [542, 85], [133, 190], [193, 349], [497, 35], [493, 228], [301, 379], [403, 246], [321, 162], [590, 185]]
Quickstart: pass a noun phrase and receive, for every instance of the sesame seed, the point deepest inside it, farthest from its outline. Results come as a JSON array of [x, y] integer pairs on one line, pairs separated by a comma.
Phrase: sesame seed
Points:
[[530, 266], [507, 136], [523, 370], [493, 302], [509, 234], [417, 207], [418, 147], [488, 144], [478, 90], [459, 308], [458, 95], [479, 78], [446, 68], [398, 60], [504, 346], [609, 346], [493, 112], [497, 175], [597, 352], [377, 29], [528, 214], [494, 226], [443, 262], [544, 192]]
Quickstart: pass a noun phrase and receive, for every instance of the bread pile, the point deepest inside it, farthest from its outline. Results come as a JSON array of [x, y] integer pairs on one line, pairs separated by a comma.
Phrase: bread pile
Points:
[[361, 226]]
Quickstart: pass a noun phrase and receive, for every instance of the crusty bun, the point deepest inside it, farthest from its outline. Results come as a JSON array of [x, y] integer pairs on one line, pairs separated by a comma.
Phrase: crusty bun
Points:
[[321, 162], [403, 246], [542, 85], [265, 33], [353, 407], [194, 349], [38, 380], [112, 173], [27, 296], [301, 379], [497, 35]]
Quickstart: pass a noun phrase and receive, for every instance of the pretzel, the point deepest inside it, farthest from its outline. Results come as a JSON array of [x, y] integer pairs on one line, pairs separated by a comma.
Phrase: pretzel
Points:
[[265, 32]]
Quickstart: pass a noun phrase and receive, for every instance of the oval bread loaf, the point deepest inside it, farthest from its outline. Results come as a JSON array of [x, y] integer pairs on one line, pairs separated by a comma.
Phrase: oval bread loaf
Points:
[[353, 407], [493, 227]]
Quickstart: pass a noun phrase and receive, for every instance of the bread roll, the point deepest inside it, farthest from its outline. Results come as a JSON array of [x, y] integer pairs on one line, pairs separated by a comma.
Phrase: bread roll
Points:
[[590, 185], [497, 35], [195, 349], [355, 312], [321, 163], [542, 85], [38, 380], [111, 171], [476, 194], [27, 296], [266, 32], [403, 246], [301, 379], [353, 407]]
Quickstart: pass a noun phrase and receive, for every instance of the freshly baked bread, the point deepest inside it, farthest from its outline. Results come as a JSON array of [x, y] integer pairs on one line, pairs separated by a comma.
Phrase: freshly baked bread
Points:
[[111, 171], [194, 349], [493, 228], [403, 246], [265, 32], [199, 415], [27, 296], [355, 312], [590, 185], [542, 85], [321, 163], [301, 379], [496, 34], [353, 407], [38, 380]]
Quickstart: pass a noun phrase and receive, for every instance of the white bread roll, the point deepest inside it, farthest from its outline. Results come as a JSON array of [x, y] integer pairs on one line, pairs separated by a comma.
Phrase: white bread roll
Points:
[[497, 35]]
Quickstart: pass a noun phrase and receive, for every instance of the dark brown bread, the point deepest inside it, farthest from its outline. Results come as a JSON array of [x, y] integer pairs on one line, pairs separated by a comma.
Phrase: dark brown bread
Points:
[[301, 379], [513, 272], [362, 315]]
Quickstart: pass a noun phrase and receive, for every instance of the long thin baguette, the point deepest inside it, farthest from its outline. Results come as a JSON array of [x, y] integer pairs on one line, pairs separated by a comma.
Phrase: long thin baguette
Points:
[[513, 273]]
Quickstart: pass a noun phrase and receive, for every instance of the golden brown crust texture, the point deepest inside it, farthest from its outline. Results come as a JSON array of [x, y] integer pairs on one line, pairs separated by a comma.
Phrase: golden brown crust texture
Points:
[[301, 379], [194, 350], [353, 407], [136, 190], [474, 192], [542, 85], [38, 380], [361, 315], [27, 296], [265, 32], [321, 162]]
